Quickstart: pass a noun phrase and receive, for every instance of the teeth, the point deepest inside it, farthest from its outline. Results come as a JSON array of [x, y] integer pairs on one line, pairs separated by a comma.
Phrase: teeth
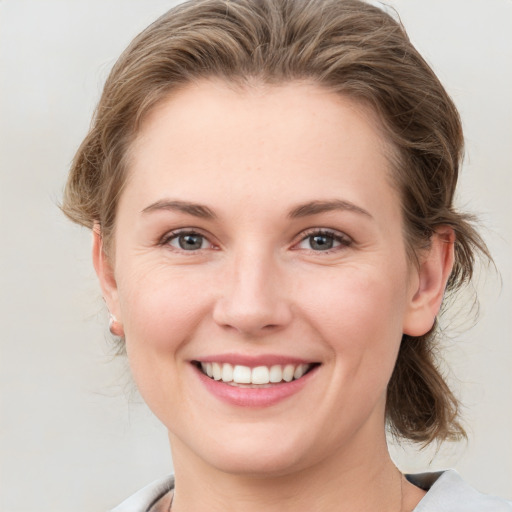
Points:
[[207, 369], [259, 375], [276, 373], [300, 371], [227, 372], [288, 372], [242, 374], [217, 371]]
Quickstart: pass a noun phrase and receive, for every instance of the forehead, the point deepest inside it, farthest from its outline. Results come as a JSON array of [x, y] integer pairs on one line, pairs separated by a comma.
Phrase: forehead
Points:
[[291, 141], [257, 105]]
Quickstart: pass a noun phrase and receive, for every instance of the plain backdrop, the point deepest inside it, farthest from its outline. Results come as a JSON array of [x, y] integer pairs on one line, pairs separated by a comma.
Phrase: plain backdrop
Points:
[[74, 436]]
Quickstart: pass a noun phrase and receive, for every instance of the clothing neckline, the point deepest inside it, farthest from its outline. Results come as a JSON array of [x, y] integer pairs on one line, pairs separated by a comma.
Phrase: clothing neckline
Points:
[[446, 492]]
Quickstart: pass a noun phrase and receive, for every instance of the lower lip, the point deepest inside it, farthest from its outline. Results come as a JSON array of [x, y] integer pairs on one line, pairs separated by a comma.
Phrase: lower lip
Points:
[[254, 397]]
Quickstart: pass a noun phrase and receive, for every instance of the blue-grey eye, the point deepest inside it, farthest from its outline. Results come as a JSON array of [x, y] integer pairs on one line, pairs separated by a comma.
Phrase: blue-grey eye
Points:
[[321, 242], [189, 242]]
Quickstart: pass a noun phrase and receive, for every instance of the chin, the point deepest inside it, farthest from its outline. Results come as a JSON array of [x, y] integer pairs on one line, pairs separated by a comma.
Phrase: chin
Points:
[[254, 465], [257, 454]]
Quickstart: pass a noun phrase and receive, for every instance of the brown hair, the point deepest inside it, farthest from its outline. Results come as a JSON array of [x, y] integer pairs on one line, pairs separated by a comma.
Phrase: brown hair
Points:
[[347, 46]]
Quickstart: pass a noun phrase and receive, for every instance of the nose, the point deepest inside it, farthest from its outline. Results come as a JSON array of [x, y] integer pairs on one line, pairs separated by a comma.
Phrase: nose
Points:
[[252, 297]]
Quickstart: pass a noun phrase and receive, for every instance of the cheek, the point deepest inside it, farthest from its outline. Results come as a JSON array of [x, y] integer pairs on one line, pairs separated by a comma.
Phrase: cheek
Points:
[[356, 300], [161, 308], [161, 311], [359, 314]]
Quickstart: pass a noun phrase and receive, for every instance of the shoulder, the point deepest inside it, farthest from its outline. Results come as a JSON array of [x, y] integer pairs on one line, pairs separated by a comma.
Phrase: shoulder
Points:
[[144, 499], [448, 492]]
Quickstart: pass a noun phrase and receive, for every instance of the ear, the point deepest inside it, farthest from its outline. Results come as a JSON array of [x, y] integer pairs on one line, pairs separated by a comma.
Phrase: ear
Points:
[[105, 272], [435, 267]]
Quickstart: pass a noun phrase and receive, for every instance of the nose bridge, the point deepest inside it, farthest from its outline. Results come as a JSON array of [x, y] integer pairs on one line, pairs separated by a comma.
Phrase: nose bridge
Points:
[[252, 297]]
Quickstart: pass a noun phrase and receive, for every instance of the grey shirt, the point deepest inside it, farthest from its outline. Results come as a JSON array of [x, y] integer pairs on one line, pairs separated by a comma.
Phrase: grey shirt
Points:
[[447, 492]]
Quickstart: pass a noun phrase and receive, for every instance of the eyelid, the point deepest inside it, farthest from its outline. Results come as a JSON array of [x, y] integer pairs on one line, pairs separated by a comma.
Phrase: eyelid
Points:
[[339, 236], [170, 235], [344, 240]]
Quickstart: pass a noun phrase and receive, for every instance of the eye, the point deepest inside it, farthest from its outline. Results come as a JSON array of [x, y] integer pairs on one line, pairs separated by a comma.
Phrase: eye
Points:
[[322, 240], [187, 241]]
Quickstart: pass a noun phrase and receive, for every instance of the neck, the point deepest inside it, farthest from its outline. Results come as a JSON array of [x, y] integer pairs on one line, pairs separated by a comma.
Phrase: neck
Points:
[[361, 478]]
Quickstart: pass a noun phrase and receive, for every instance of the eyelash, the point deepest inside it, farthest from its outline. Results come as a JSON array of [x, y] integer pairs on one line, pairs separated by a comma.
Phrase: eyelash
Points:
[[343, 240], [167, 238]]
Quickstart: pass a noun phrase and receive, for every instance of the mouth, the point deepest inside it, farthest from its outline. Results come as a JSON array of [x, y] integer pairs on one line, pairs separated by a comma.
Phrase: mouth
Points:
[[254, 377]]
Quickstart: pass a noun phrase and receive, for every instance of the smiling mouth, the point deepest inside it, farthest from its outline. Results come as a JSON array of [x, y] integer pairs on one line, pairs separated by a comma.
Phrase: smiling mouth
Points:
[[259, 376]]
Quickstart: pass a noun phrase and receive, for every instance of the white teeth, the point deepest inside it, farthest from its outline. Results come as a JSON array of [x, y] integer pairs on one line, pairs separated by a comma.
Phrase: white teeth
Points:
[[288, 372], [242, 374], [276, 373], [217, 371], [299, 371], [227, 372], [207, 368], [260, 375]]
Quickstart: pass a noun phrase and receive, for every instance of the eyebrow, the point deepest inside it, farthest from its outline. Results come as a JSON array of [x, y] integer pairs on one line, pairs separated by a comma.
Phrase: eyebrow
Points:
[[197, 210], [302, 210], [316, 207]]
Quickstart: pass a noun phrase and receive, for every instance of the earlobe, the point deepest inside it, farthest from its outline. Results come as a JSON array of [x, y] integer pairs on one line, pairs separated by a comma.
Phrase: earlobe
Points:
[[434, 270], [105, 272]]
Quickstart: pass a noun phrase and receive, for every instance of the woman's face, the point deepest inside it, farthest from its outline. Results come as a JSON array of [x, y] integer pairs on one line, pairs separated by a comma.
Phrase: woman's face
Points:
[[259, 236]]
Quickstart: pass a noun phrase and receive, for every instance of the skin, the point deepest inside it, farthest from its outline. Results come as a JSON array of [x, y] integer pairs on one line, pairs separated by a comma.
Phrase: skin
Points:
[[257, 286]]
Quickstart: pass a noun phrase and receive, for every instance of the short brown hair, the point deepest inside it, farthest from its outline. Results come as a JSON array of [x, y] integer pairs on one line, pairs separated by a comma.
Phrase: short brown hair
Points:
[[347, 46]]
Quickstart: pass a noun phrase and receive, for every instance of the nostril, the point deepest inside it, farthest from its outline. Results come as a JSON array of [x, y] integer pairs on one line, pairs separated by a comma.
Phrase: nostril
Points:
[[252, 317]]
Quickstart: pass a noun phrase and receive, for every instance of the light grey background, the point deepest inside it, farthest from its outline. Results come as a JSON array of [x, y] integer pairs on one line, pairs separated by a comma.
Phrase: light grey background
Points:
[[72, 435]]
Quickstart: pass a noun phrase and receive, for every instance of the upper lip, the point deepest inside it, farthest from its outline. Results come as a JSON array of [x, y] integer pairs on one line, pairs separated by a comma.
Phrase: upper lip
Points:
[[253, 361]]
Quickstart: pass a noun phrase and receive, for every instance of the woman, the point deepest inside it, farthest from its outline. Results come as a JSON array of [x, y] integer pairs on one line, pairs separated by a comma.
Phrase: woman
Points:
[[270, 187]]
